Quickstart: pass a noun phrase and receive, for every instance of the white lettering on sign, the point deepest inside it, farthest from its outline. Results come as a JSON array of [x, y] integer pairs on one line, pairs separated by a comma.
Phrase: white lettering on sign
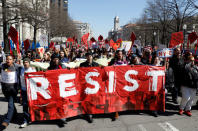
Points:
[[134, 82], [155, 75], [112, 82], [39, 84], [165, 53], [68, 88], [64, 87], [88, 79]]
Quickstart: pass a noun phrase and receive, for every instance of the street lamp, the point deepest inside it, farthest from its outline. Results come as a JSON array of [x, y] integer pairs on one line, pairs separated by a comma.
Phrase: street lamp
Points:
[[65, 1], [154, 34], [184, 28]]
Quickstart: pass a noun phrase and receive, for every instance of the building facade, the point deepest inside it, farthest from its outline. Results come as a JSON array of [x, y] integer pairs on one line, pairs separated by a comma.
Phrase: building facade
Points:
[[83, 28], [116, 32], [24, 29], [61, 4]]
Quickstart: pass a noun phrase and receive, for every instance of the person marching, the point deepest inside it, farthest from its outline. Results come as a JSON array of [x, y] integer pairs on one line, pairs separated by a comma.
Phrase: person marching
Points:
[[189, 87], [89, 63], [118, 60], [10, 73], [26, 69]]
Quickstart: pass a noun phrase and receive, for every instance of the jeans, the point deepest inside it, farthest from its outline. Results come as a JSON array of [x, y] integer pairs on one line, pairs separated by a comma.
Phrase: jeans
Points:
[[26, 114], [10, 92], [174, 93], [188, 95]]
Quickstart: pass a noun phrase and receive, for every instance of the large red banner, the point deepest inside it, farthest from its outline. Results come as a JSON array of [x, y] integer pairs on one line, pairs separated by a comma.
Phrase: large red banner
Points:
[[66, 93]]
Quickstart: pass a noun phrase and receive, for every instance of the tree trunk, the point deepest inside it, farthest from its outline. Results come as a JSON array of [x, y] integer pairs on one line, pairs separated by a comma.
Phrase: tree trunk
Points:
[[5, 30], [34, 38]]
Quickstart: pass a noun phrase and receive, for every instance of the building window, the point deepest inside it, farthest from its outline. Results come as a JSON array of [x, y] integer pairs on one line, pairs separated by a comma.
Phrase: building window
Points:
[[52, 1]]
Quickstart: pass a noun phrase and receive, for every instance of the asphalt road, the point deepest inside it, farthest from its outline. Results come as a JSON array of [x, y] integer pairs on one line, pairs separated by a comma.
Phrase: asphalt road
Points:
[[128, 121]]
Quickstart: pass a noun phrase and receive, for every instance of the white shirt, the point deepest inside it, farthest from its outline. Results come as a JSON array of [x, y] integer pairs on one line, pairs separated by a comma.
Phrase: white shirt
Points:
[[22, 77]]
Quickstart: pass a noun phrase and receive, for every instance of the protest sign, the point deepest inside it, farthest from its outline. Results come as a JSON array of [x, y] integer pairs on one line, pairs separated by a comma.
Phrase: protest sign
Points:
[[126, 45], [165, 53], [43, 40], [176, 39], [66, 93]]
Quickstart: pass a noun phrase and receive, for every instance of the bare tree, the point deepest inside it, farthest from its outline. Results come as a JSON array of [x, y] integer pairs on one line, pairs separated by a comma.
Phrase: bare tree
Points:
[[167, 16], [35, 13], [61, 24], [9, 16]]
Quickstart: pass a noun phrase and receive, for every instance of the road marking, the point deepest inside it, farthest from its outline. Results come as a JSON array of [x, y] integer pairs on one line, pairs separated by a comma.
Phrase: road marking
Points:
[[167, 126], [142, 128]]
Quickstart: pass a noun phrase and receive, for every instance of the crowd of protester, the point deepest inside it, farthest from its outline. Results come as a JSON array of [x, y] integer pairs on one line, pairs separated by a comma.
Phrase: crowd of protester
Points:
[[181, 73]]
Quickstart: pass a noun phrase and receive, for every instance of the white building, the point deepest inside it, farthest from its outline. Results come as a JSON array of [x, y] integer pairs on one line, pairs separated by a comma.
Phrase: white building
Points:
[[25, 30], [116, 32], [83, 28]]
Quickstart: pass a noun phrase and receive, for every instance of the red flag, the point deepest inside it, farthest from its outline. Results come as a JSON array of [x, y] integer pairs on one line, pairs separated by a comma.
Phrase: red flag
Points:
[[52, 45], [106, 41], [133, 37], [92, 40], [176, 39], [13, 34], [84, 39], [75, 40], [192, 37], [116, 46], [100, 38], [119, 41], [70, 40], [111, 43], [26, 44]]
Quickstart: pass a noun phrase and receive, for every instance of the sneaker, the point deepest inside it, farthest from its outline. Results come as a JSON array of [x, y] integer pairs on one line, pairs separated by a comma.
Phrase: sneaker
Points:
[[188, 113], [64, 120], [181, 111], [90, 118], [25, 124]]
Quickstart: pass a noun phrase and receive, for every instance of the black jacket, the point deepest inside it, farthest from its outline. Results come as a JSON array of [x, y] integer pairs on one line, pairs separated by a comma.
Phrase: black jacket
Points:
[[191, 76], [86, 64], [169, 78], [177, 64]]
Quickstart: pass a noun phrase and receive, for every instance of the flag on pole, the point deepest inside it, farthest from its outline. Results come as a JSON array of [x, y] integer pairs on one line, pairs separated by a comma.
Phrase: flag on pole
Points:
[[13, 34], [133, 38], [192, 37], [111, 43], [100, 38], [52, 45], [26, 44], [92, 40], [84, 39]]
